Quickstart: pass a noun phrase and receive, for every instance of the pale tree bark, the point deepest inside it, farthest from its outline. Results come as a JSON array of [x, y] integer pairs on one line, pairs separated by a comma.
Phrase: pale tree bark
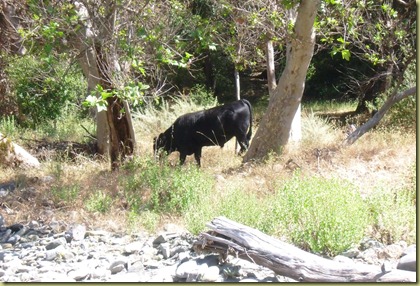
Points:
[[372, 122], [271, 70], [274, 130], [84, 42], [115, 132]]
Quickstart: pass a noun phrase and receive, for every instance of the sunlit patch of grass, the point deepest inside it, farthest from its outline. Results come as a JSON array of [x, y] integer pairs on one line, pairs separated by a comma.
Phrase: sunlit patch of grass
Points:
[[329, 106]]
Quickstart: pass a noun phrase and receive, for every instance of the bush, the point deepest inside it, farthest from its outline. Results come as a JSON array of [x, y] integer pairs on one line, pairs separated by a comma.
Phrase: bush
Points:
[[322, 215], [165, 189], [393, 215], [43, 88], [98, 202]]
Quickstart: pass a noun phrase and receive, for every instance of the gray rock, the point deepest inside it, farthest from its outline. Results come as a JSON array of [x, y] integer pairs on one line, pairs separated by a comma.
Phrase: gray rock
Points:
[[55, 243], [394, 251], [79, 274], [165, 250], [408, 262], [2, 221], [117, 266], [351, 253], [13, 239], [211, 274], [133, 247], [78, 232], [410, 249], [5, 236], [164, 237], [52, 254]]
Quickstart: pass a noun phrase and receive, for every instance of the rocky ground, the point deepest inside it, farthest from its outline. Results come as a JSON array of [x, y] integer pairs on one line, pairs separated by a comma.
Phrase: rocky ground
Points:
[[37, 252]]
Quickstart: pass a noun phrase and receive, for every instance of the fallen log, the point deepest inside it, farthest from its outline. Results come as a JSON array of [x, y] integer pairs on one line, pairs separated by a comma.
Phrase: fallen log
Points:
[[229, 237]]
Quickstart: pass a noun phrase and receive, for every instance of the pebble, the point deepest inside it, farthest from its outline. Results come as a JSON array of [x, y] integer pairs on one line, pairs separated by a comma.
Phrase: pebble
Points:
[[49, 253]]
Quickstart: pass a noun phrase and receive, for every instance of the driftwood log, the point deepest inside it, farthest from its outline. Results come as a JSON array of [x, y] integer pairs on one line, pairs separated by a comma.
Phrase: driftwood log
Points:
[[229, 237]]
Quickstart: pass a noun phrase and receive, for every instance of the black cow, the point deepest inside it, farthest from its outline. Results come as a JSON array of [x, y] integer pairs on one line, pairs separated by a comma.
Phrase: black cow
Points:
[[215, 126]]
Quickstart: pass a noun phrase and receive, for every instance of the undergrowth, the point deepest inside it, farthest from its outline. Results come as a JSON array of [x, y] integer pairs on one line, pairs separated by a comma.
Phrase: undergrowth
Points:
[[322, 215]]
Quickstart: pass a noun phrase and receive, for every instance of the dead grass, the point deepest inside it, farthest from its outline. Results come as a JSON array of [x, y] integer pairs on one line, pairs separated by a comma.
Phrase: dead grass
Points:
[[380, 159]]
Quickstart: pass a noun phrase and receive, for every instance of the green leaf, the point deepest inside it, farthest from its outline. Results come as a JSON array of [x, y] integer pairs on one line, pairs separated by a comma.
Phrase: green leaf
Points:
[[345, 54]]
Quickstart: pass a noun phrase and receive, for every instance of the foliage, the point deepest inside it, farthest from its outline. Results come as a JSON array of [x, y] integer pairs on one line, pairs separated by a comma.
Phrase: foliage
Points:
[[201, 97], [393, 215], [312, 212], [43, 89], [322, 215], [98, 201], [160, 188], [8, 126], [65, 194]]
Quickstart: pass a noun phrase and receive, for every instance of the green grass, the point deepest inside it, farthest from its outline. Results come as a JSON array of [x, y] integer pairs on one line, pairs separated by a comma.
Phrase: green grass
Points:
[[318, 214], [328, 106]]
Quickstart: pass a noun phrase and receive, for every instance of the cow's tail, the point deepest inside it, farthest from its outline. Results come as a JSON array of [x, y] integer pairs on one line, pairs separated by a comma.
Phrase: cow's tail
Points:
[[249, 134]]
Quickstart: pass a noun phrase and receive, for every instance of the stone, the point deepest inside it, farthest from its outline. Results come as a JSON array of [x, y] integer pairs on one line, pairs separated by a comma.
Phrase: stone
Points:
[[79, 274], [5, 236], [117, 266], [165, 237], [351, 253], [165, 250], [78, 232], [408, 262], [211, 274], [13, 239], [53, 253], [55, 243], [394, 250], [133, 247], [409, 249], [2, 221]]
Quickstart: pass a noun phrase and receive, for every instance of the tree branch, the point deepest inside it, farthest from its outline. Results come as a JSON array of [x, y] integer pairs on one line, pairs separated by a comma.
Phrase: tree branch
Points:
[[394, 98]]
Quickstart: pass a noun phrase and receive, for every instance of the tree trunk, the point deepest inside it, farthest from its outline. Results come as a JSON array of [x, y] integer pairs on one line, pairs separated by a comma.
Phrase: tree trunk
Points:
[[84, 41], [121, 132], [115, 132], [271, 70], [274, 130], [227, 236], [394, 98]]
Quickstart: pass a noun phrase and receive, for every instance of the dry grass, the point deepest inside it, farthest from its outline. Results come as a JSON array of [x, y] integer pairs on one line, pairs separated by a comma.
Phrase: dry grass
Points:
[[378, 159]]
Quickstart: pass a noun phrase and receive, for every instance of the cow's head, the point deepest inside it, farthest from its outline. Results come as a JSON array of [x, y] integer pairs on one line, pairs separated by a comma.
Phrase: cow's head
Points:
[[161, 144]]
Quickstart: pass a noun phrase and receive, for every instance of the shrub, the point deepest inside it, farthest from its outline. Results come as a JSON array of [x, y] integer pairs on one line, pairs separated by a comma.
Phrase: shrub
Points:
[[65, 194], [234, 204], [43, 88], [165, 189], [393, 215], [98, 202], [322, 215]]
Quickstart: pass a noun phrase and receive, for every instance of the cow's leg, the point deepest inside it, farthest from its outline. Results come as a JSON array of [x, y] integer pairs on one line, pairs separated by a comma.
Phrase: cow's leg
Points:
[[243, 143], [182, 158], [197, 156]]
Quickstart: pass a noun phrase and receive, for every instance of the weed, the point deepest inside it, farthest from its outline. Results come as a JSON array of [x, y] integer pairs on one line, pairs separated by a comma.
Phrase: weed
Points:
[[65, 194], [8, 126], [322, 215], [162, 188], [146, 219], [98, 202], [393, 216]]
